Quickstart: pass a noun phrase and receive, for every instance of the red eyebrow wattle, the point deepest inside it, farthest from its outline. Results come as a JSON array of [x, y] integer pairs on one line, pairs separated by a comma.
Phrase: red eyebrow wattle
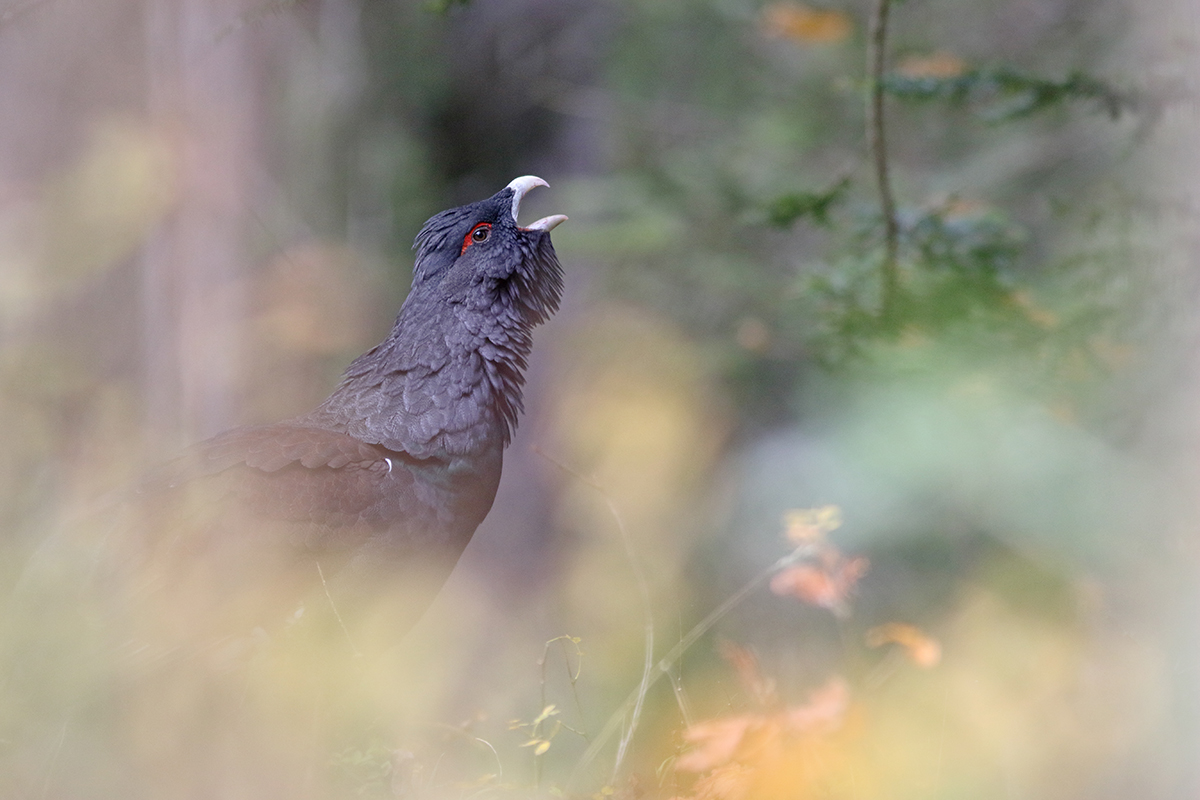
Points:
[[467, 242]]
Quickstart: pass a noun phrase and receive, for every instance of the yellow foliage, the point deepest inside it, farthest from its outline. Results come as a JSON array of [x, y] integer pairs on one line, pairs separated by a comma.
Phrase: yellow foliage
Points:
[[932, 65], [924, 650], [101, 208], [804, 525], [802, 23]]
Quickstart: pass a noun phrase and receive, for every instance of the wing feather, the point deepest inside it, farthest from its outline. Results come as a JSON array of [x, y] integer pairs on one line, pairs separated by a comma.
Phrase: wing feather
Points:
[[268, 448]]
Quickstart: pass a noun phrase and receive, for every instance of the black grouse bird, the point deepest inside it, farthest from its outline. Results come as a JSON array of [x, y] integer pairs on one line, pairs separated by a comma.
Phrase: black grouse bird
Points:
[[342, 524], [375, 493]]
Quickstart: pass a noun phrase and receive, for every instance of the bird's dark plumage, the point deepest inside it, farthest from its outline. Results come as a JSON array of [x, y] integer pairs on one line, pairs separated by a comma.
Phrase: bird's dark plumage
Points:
[[341, 524], [385, 482]]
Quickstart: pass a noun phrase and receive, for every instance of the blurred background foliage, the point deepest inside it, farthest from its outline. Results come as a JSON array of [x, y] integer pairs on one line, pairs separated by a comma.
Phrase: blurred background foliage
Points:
[[206, 208]]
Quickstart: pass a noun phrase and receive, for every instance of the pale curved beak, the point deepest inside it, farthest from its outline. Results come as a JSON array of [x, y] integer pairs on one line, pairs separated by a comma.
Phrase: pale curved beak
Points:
[[522, 185], [547, 224]]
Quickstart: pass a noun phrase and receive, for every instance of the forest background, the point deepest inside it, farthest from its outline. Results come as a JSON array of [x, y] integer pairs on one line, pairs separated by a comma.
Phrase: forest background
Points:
[[880, 329]]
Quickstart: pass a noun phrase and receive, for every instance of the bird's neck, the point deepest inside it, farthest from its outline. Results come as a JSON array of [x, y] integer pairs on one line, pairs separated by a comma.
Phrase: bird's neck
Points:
[[442, 384]]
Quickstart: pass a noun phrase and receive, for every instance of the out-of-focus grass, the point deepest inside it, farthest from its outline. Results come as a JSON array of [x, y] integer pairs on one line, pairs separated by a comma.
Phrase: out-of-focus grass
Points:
[[1019, 476]]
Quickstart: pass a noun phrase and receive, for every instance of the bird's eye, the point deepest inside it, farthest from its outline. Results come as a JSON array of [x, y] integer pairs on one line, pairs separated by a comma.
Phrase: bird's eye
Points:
[[480, 233]]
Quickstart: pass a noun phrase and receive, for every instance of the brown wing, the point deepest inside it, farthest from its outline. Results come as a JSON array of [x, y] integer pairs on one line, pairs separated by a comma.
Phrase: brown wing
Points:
[[233, 533], [270, 448], [284, 472]]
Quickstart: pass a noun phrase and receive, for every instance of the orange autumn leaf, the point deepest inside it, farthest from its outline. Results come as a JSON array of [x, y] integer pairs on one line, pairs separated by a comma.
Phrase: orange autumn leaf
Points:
[[816, 766], [807, 582], [922, 649], [752, 737], [804, 751], [826, 586], [801, 23], [745, 663], [715, 741], [824, 711], [933, 65]]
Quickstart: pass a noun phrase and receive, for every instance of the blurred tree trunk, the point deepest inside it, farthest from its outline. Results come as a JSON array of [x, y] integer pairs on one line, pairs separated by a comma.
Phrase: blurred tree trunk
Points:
[[201, 89]]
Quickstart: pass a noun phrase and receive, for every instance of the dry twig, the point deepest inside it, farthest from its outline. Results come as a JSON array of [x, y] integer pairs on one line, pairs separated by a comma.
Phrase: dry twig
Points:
[[877, 143]]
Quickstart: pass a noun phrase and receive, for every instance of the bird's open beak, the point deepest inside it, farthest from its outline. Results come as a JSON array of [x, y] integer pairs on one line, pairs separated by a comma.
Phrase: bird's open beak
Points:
[[522, 185], [547, 224]]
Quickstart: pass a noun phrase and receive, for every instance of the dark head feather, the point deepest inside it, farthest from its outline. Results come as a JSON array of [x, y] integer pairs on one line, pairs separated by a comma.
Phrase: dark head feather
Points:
[[453, 366]]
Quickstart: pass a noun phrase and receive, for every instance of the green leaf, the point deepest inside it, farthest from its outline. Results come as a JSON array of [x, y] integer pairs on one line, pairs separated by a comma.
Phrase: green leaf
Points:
[[1002, 94], [444, 6], [786, 209]]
